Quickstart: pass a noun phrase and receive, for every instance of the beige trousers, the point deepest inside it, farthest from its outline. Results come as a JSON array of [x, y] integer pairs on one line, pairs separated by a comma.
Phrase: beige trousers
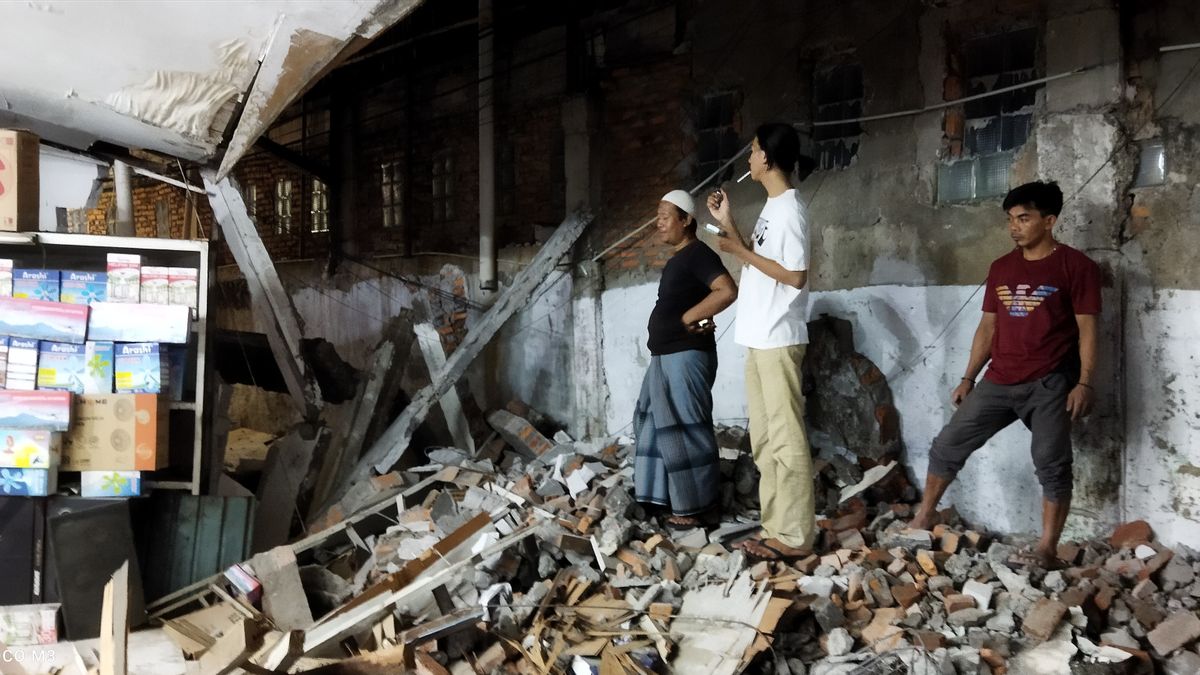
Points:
[[780, 443]]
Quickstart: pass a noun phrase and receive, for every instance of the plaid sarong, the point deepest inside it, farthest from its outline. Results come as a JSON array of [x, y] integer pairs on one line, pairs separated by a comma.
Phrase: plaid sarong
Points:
[[676, 462]]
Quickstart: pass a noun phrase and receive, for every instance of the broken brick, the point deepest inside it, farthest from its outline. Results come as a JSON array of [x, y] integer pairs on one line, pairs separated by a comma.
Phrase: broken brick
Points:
[[1180, 629], [1043, 619], [1129, 535], [957, 601]]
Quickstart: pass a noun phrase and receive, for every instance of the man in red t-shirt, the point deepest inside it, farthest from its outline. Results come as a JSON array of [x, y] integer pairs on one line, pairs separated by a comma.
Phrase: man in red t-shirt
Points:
[[1039, 332]]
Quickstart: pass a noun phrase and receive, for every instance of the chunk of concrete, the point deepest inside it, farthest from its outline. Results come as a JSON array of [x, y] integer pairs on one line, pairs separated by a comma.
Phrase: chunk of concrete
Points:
[[1043, 618], [982, 593]]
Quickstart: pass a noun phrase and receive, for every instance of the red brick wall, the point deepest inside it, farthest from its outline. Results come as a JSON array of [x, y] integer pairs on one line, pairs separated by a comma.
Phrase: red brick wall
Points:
[[147, 194], [646, 153]]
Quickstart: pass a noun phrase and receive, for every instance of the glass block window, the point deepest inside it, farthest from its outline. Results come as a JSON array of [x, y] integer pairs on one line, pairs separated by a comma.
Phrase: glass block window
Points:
[[283, 206], [717, 140], [837, 95], [391, 184], [319, 210], [443, 187], [1152, 164], [996, 126], [162, 219]]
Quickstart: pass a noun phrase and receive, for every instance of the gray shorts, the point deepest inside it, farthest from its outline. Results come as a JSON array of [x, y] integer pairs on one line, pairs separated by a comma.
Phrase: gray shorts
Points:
[[1041, 405]]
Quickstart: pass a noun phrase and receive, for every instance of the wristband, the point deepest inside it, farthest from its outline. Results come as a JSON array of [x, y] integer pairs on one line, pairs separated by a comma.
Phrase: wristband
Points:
[[1085, 384], [967, 379]]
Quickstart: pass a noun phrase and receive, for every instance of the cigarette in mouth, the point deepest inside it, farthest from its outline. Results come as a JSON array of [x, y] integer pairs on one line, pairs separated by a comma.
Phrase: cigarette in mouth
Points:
[[744, 176]]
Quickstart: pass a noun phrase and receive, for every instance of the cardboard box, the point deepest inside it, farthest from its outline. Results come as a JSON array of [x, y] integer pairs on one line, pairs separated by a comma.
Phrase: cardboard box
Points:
[[98, 371], [38, 320], [3, 360], [141, 368], [22, 368], [83, 288], [121, 432], [29, 448], [19, 181], [6, 274], [37, 284], [155, 286], [110, 483], [124, 277], [28, 482], [60, 366], [184, 283], [116, 322], [50, 410], [29, 625]]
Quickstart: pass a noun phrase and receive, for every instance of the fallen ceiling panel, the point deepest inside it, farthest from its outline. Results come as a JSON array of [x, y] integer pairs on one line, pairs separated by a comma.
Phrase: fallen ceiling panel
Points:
[[171, 76]]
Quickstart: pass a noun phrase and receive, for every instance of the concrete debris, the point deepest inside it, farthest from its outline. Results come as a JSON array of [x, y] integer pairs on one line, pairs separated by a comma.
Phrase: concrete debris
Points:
[[536, 558]]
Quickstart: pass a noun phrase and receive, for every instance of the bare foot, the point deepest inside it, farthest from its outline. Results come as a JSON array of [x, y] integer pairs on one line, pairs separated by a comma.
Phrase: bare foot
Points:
[[684, 521], [752, 539], [923, 521]]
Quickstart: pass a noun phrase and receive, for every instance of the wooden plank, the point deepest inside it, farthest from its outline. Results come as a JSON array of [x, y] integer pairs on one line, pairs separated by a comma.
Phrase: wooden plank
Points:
[[375, 394], [272, 305], [386, 451], [435, 359], [114, 624], [288, 461], [284, 601]]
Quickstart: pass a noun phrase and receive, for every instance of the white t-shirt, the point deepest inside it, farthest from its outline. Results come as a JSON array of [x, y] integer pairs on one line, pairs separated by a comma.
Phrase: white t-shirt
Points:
[[771, 314]]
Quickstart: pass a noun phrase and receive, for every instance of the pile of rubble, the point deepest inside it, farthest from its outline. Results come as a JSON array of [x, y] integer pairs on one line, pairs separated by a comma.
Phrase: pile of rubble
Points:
[[531, 556]]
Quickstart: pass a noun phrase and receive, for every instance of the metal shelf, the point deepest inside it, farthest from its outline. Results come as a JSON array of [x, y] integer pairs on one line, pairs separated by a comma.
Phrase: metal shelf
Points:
[[59, 250]]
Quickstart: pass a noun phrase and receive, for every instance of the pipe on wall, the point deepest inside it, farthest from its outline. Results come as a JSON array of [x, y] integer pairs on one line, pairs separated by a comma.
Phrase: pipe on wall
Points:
[[123, 178], [487, 152]]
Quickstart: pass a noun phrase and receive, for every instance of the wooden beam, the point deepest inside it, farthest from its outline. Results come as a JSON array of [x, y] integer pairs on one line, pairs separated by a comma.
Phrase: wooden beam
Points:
[[384, 454], [288, 461], [114, 624], [435, 361], [271, 303], [284, 153]]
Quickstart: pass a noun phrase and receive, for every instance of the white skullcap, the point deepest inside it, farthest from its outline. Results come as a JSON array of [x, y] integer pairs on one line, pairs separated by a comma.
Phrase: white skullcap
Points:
[[681, 199]]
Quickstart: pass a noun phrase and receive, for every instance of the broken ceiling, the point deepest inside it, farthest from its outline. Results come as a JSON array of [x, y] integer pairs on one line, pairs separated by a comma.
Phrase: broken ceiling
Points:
[[196, 80]]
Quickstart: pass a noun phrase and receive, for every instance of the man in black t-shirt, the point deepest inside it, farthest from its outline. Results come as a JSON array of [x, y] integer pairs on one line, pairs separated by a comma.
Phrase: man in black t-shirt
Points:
[[676, 462]]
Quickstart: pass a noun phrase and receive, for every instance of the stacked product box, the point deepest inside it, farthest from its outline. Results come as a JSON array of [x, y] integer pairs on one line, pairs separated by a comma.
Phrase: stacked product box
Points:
[[141, 368], [22, 371], [110, 483], [83, 288], [4, 339], [155, 288], [82, 369], [124, 277], [184, 286], [38, 320], [6, 275], [29, 448], [36, 284], [116, 322], [116, 432]]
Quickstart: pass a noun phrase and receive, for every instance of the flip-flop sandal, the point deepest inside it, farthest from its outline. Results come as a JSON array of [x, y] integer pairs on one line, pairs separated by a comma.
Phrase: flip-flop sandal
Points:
[[683, 527], [779, 556]]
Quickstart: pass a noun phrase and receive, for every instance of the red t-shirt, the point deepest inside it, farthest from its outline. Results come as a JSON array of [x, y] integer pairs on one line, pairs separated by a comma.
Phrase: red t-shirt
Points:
[[1035, 303]]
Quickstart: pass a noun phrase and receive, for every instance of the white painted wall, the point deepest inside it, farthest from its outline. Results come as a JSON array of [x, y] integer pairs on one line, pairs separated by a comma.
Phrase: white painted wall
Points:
[[67, 181], [1162, 461], [895, 327]]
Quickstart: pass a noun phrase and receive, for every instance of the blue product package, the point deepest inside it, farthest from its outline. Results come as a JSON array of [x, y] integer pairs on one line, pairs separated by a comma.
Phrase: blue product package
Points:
[[110, 483], [60, 366], [83, 288], [28, 482], [36, 284], [140, 368]]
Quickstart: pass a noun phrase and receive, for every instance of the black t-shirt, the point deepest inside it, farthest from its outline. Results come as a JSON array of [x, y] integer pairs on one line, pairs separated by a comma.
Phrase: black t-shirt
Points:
[[686, 280]]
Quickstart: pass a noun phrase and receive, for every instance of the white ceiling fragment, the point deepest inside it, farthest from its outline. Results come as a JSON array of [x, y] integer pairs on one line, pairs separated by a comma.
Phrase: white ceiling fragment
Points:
[[169, 76]]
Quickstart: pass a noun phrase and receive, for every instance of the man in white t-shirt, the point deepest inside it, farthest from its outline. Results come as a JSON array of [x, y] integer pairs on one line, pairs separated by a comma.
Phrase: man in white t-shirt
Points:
[[772, 323]]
